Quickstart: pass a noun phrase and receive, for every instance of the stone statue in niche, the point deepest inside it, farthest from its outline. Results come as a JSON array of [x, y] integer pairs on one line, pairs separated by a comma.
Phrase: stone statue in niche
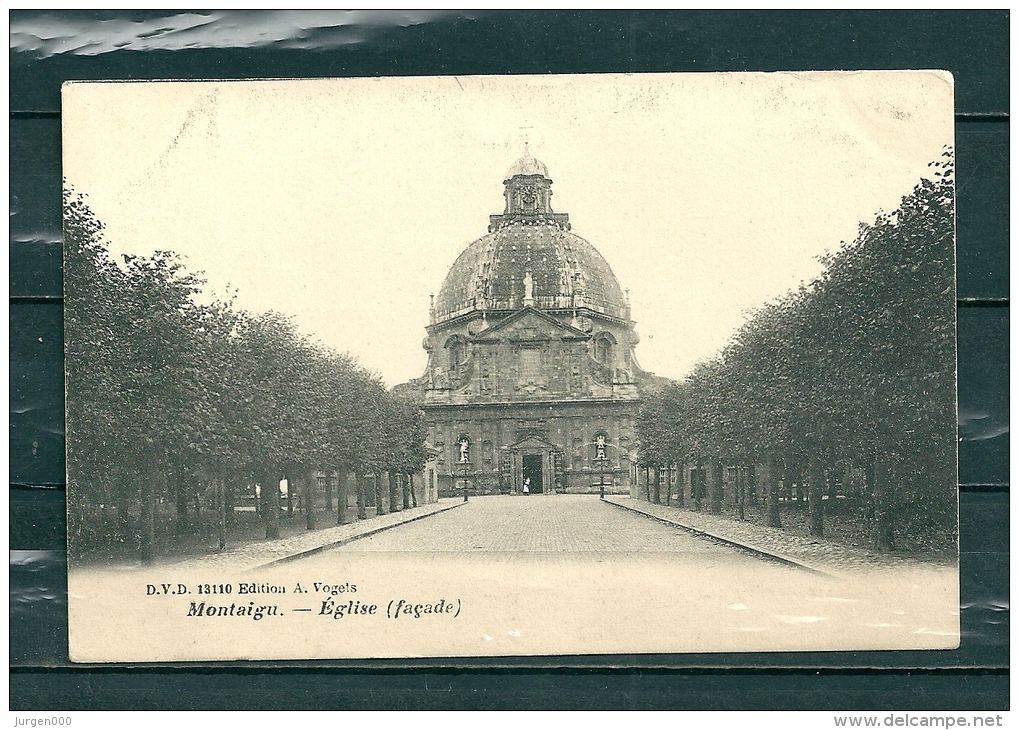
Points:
[[599, 447], [464, 444], [528, 286]]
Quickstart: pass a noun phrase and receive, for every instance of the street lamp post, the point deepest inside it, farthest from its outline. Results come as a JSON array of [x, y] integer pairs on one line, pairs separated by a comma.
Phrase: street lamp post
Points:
[[601, 477], [602, 458], [465, 478]]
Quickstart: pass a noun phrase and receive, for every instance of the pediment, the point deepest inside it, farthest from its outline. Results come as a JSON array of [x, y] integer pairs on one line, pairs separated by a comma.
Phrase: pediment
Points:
[[532, 324]]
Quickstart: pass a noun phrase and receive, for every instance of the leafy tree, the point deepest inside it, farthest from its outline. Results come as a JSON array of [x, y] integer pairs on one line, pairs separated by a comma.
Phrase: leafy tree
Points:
[[858, 367], [172, 401]]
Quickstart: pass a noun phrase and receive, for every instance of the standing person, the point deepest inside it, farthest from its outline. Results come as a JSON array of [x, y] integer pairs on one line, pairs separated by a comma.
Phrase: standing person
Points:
[[527, 486]]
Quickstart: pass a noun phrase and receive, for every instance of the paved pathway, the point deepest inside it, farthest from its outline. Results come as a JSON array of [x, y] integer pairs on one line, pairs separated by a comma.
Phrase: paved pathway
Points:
[[818, 554], [261, 553], [556, 524], [557, 574], [563, 567]]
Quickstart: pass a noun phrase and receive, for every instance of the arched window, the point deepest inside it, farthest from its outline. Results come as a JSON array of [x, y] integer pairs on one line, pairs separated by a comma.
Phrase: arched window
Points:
[[603, 345], [457, 353]]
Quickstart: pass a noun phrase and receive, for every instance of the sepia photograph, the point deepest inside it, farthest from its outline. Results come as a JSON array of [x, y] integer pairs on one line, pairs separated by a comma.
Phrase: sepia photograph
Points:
[[489, 366]]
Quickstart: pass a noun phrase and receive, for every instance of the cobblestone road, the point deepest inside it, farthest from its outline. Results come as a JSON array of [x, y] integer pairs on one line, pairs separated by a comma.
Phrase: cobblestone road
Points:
[[557, 574], [561, 523], [556, 570]]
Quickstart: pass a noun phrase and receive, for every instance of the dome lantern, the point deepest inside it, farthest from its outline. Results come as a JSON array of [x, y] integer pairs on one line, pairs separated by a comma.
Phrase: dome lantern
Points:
[[528, 193], [530, 257]]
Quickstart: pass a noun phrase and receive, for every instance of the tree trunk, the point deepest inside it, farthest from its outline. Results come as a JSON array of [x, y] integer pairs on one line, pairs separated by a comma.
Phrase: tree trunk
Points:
[[408, 491], [271, 505], [657, 492], [148, 526], [815, 497], [696, 486], [680, 475], [221, 505], [380, 504], [870, 473], [291, 488], [647, 483], [741, 492], [362, 488], [124, 494], [181, 501], [796, 479], [883, 528], [196, 523], [329, 493], [832, 483], [394, 492], [308, 490], [341, 496], [717, 488], [229, 486], [770, 476]]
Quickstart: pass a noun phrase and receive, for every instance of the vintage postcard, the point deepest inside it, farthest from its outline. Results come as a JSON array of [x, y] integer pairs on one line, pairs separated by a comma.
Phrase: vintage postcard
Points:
[[521, 365]]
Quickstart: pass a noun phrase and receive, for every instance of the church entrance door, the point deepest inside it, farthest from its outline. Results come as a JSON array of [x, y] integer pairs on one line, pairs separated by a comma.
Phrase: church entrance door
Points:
[[532, 471]]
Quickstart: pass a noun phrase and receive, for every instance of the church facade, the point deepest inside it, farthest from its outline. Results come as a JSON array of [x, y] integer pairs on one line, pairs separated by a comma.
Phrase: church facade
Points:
[[532, 384]]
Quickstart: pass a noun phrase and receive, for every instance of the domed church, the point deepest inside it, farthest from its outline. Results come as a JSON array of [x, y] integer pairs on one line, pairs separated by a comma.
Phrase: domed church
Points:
[[532, 383]]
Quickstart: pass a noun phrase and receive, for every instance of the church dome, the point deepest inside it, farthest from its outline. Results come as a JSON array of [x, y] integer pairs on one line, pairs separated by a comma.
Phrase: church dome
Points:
[[565, 271], [527, 165]]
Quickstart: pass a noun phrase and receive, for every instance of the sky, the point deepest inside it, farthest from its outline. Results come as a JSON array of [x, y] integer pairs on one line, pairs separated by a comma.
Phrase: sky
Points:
[[343, 202]]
